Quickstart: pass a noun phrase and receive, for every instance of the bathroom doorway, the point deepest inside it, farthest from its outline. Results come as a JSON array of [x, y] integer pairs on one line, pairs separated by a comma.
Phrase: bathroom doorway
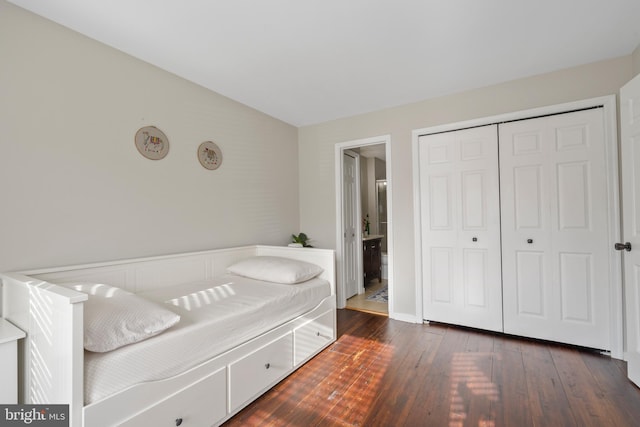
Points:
[[373, 266]]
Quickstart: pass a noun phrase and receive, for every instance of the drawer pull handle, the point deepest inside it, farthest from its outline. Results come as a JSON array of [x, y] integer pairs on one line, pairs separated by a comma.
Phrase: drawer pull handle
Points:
[[267, 365], [475, 239], [318, 333], [529, 241], [178, 421]]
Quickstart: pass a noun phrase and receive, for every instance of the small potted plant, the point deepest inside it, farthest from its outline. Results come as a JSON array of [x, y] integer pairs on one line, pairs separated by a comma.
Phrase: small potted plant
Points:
[[300, 241]]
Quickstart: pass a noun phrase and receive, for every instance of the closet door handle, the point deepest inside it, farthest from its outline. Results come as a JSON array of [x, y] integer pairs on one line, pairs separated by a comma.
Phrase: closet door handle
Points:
[[623, 246]]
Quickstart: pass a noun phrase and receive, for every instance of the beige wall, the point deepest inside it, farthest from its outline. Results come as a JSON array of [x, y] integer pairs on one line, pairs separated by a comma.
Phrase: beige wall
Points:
[[316, 150], [74, 189]]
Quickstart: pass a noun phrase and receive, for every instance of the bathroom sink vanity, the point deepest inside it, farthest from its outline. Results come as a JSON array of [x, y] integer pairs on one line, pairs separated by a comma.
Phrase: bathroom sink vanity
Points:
[[372, 258]]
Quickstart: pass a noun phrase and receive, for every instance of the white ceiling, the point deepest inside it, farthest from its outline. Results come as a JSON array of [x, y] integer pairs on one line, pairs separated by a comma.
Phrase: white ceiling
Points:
[[307, 62]]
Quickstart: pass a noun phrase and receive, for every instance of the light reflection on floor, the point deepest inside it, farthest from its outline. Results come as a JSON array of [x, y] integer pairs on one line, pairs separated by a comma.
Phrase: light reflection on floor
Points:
[[346, 394], [468, 378], [344, 401]]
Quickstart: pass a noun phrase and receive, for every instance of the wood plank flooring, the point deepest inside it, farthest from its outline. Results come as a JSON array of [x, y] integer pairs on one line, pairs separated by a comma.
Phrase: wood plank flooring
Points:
[[382, 372]]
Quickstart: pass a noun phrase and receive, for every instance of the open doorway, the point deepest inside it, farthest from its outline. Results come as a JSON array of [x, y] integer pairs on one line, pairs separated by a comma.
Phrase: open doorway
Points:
[[364, 251]]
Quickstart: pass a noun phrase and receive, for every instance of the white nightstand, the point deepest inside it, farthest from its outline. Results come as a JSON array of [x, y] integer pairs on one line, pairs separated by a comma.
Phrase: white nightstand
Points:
[[9, 336]]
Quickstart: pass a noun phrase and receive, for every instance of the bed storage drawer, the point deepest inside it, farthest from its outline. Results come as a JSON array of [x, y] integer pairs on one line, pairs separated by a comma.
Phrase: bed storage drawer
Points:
[[312, 336], [259, 370], [202, 404]]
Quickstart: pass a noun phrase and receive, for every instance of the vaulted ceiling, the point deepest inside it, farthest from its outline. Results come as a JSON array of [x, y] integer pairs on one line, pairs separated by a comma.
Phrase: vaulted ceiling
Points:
[[307, 62]]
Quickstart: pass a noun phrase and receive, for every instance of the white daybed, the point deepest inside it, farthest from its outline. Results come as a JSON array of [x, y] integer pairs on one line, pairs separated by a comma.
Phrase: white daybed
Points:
[[52, 357]]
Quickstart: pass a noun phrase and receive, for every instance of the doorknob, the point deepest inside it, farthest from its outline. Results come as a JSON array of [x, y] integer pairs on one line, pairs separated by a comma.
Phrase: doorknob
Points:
[[623, 246]]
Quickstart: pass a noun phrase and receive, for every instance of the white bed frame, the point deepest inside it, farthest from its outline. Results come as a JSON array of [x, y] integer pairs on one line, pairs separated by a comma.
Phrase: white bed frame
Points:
[[51, 356]]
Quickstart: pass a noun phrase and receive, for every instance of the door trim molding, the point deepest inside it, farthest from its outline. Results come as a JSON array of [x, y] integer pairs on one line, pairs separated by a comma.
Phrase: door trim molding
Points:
[[608, 103], [339, 148]]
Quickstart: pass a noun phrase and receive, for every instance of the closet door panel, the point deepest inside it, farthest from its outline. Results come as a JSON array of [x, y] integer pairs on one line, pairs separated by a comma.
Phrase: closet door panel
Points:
[[527, 192], [554, 211], [530, 279], [440, 187], [573, 196], [576, 279], [475, 270], [442, 279], [473, 200], [460, 228]]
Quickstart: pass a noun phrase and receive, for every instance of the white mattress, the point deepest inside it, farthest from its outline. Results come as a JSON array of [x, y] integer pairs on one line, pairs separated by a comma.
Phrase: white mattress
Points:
[[216, 315]]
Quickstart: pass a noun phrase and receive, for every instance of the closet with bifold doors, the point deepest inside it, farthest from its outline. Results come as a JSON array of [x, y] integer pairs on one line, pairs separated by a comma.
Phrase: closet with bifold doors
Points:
[[515, 225], [460, 205]]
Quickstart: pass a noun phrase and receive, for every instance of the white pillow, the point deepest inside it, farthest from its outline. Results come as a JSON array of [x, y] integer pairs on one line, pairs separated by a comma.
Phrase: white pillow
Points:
[[275, 269], [114, 317]]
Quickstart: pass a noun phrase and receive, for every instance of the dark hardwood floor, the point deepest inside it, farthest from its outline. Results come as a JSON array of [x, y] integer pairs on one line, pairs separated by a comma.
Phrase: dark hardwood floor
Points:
[[382, 372]]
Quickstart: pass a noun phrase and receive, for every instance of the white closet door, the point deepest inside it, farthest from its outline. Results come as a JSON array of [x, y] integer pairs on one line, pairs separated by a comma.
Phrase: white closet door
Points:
[[555, 228], [460, 227]]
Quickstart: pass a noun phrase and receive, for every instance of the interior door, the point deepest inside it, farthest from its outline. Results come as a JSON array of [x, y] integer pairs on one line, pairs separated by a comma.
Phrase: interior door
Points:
[[350, 221], [630, 137], [553, 179], [460, 227]]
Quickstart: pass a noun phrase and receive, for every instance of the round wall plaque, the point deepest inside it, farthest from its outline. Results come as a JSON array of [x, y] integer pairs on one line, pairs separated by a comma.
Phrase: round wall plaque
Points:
[[152, 143], [210, 155]]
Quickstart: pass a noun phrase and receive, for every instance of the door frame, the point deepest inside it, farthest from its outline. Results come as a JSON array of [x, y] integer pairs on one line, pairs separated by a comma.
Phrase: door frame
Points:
[[608, 103], [339, 150]]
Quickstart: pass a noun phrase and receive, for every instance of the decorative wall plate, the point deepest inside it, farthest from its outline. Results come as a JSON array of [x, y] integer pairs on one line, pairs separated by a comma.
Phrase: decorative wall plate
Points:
[[152, 143], [210, 155]]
